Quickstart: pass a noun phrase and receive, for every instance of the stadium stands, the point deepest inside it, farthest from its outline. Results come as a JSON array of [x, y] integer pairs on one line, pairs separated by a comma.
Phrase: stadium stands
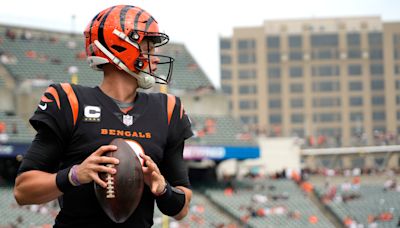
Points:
[[268, 203], [218, 131], [365, 204], [13, 215]]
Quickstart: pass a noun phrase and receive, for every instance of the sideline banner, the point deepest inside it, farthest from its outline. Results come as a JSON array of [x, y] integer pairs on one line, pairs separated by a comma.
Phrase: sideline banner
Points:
[[13, 149], [219, 153]]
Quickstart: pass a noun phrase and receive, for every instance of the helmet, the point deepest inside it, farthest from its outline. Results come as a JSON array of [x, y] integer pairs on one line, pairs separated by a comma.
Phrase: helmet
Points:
[[114, 36]]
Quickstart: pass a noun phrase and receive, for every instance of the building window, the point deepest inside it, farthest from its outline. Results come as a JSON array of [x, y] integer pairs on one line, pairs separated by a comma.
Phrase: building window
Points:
[[356, 116], [324, 54], [379, 116], [376, 69], [377, 85], [396, 54], [247, 74], [246, 44], [296, 88], [356, 101], [327, 86], [326, 117], [354, 69], [226, 74], [353, 39], [249, 119], [325, 40], [245, 58], [226, 59], [248, 89], [247, 104], [274, 57], [227, 89], [274, 88], [274, 72], [275, 103], [326, 102], [325, 70], [295, 41], [355, 86], [378, 100], [275, 119], [376, 54], [375, 39], [296, 103], [396, 39], [397, 84], [296, 55], [354, 54], [297, 118], [273, 42], [296, 71], [397, 69], [225, 44]]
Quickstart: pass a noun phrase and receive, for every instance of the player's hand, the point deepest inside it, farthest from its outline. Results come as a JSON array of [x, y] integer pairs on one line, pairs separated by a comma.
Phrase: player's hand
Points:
[[152, 176], [88, 170]]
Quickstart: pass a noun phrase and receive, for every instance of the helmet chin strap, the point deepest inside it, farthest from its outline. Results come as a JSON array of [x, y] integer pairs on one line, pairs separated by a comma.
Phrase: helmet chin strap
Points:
[[144, 81]]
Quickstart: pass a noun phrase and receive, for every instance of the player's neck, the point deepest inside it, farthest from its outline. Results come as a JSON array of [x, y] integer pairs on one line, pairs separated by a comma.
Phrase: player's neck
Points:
[[119, 85]]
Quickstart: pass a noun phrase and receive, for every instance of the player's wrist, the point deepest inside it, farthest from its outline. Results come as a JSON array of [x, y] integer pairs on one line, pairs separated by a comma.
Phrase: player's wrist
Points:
[[163, 189], [73, 176], [63, 181]]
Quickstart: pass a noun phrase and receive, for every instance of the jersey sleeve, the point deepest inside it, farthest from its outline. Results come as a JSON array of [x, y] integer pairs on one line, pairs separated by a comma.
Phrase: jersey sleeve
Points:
[[55, 111], [179, 129]]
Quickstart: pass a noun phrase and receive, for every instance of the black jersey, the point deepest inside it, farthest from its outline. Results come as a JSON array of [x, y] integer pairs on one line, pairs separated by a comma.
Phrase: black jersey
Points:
[[82, 119]]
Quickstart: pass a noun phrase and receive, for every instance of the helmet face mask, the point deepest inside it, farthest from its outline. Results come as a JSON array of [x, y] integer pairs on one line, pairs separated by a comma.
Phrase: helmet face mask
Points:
[[118, 34]]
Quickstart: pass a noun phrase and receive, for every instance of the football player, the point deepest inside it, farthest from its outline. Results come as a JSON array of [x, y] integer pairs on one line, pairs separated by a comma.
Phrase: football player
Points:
[[75, 125]]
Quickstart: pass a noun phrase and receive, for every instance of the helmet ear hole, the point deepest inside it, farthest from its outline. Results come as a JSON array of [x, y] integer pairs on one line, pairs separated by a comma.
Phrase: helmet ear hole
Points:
[[118, 48]]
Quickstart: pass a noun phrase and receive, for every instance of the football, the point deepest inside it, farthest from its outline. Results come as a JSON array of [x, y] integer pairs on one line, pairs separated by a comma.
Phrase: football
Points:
[[124, 189]]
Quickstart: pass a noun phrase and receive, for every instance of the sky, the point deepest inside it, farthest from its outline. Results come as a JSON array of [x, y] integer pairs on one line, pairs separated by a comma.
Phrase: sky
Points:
[[196, 24]]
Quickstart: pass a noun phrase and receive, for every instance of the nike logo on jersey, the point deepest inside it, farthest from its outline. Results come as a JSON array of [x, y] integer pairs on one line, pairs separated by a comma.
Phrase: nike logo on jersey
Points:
[[43, 107]]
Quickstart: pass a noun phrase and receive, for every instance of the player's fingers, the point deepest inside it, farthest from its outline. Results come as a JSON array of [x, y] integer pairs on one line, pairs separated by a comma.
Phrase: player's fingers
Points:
[[106, 160], [104, 149], [146, 170], [104, 169], [97, 179]]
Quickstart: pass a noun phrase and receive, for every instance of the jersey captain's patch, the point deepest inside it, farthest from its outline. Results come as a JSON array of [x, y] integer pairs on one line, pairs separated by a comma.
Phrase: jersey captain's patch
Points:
[[92, 113]]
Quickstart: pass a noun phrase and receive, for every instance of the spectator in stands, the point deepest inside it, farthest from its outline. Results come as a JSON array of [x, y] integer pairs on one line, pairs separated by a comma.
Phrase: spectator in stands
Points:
[[10, 34], [8, 58], [26, 35], [3, 133]]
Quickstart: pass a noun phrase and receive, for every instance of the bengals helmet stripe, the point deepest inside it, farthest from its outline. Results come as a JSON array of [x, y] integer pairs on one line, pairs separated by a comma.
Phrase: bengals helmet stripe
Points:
[[100, 32], [137, 18], [123, 15], [151, 19], [91, 25]]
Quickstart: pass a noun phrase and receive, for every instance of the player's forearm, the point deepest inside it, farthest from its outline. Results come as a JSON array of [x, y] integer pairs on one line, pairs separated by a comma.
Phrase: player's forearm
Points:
[[188, 196], [36, 187]]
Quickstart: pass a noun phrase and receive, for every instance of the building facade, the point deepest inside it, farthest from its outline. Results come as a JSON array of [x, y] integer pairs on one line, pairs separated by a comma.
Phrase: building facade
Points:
[[333, 82]]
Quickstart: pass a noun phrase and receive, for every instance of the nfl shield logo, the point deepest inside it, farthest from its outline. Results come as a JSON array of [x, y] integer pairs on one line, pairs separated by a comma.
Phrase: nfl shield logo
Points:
[[127, 120]]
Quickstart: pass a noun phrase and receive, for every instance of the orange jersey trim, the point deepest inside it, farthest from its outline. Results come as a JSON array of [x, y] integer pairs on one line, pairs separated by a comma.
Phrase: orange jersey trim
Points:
[[54, 93], [126, 110], [73, 100], [170, 106], [181, 111]]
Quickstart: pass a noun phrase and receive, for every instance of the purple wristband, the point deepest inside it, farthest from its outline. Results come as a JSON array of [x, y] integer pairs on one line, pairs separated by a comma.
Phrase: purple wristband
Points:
[[74, 176]]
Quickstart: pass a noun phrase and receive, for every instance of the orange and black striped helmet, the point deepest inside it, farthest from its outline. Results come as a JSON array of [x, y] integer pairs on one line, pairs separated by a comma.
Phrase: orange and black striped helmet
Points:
[[114, 36]]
